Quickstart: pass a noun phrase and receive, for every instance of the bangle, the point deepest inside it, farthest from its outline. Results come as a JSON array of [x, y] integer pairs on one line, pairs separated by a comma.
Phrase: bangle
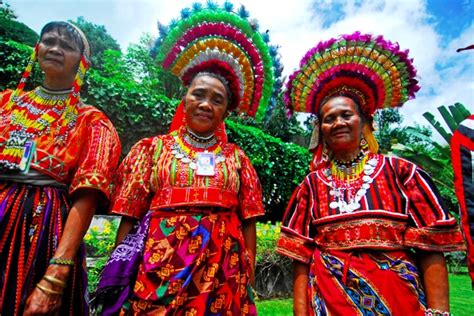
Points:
[[435, 312], [47, 291], [55, 281], [62, 261]]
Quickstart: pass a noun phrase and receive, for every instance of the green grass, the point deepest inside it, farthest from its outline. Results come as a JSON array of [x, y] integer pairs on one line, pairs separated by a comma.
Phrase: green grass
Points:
[[460, 294]]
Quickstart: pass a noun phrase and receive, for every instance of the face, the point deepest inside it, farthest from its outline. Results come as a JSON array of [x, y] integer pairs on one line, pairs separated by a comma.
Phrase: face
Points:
[[205, 105], [341, 124], [58, 55]]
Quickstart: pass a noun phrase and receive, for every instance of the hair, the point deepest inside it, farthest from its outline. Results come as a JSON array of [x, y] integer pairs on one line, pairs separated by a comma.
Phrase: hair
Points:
[[224, 82], [68, 30]]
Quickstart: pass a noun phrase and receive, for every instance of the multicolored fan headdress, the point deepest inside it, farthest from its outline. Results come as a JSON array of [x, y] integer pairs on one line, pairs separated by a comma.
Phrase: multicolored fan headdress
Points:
[[370, 69], [223, 42]]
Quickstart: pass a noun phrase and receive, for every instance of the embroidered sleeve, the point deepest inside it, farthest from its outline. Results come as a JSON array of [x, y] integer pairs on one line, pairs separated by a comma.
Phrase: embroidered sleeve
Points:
[[98, 157], [250, 192], [132, 193], [433, 229], [297, 231]]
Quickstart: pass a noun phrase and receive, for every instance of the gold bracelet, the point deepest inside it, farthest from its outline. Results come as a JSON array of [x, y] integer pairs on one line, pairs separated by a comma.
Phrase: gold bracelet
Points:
[[47, 291], [54, 281]]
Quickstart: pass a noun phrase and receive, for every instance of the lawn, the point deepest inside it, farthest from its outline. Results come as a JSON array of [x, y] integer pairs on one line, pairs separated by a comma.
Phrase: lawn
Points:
[[461, 298]]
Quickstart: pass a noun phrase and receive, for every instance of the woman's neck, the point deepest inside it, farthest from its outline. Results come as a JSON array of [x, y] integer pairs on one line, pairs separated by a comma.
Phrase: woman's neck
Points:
[[346, 155], [57, 83]]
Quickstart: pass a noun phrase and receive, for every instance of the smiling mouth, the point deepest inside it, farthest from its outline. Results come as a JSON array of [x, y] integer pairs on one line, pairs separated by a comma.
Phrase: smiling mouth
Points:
[[339, 133]]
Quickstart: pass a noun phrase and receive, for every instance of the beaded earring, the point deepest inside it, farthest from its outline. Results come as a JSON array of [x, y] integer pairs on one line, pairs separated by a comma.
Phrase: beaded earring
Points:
[[364, 145]]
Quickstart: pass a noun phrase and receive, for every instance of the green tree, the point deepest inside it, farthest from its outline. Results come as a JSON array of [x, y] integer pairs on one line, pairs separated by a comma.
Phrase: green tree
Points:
[[434, 157], [11, 29], [99, 40]]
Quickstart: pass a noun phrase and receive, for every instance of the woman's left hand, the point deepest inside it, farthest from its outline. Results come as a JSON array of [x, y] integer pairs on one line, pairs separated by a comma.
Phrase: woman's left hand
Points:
[[41, 302], [46, 298]]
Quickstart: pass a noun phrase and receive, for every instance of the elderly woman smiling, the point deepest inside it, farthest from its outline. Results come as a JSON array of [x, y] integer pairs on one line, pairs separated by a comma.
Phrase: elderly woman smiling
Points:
[[188, 199], [366, 231]]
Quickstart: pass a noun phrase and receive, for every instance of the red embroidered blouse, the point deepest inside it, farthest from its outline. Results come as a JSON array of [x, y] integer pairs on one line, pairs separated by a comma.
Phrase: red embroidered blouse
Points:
[[152, 178], [87, 160], [401, 209]]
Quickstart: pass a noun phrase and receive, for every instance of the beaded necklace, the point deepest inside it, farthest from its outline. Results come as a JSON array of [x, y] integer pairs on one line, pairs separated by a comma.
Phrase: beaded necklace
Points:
[[350, 181], [184, 148], [33, 115]]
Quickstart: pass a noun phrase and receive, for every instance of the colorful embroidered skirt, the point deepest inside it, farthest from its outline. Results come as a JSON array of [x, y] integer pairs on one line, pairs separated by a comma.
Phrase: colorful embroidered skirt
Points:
[[185, 264], [31, 223], [365, 283]]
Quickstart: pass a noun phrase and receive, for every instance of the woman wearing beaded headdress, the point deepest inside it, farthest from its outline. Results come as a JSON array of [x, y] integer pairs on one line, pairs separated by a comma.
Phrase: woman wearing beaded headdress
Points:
[[192, 196], [57, 157], [366, 231]]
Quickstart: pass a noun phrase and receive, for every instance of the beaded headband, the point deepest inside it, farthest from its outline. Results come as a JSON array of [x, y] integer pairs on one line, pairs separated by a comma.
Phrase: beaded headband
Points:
[[370, 69], [224, 42]]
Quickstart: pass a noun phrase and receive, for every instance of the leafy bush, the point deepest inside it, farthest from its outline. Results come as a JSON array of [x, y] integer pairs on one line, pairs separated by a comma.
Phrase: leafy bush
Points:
[[99, 242], [280, 166], [13, 60], [273, 273]]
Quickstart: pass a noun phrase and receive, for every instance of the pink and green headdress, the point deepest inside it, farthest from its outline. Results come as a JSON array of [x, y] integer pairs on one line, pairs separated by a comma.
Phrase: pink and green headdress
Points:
[[369, 69], [223, 42]]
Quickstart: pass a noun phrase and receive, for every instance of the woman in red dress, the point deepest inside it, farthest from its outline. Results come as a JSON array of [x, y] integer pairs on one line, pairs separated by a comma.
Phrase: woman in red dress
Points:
[[57, 157], [193, 196], [366, 231]]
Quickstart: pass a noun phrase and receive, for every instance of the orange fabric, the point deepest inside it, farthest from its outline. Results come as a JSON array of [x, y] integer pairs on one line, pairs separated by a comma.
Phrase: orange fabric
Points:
[[89, 157]]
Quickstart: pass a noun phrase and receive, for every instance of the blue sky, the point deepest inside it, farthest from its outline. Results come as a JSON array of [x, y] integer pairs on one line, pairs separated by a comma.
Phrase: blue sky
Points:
[[432, 30]]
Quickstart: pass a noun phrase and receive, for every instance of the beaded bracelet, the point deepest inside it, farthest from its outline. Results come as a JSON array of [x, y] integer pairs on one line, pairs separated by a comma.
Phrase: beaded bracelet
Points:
[[62, 261], [435, 312]]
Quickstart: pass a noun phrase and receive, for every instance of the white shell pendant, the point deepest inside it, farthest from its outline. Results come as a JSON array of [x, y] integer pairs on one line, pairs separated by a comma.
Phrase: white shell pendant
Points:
[[186, 160], [192, 165], [334, 205]]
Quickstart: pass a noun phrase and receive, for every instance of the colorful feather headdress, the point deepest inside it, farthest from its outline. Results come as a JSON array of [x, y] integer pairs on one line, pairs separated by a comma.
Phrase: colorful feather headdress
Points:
[[221, 41], [370, 69]]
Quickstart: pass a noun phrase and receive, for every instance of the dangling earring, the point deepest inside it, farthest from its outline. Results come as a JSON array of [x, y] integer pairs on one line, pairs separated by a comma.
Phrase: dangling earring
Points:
[[325, 153], [364, 145]]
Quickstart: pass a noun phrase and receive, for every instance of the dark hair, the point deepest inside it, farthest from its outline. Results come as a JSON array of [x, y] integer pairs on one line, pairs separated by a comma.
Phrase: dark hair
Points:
[[68, 30], [221, 79]]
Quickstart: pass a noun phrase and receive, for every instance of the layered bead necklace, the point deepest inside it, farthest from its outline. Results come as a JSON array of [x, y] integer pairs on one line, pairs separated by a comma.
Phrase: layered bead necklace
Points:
[[189, 148], [349, 181], [33, 115]]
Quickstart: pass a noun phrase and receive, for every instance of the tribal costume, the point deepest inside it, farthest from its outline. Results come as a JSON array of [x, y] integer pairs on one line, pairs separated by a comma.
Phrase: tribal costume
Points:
[[356, 223], [187, 253], [75, 148]]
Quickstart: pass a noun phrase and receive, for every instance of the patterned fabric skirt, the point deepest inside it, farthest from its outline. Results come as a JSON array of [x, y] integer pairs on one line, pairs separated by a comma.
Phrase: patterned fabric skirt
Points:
[[31, 223], [365, 283], [185, 264]]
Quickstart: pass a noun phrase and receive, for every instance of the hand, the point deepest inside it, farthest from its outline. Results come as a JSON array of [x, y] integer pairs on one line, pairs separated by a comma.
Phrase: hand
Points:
[[41, 302]]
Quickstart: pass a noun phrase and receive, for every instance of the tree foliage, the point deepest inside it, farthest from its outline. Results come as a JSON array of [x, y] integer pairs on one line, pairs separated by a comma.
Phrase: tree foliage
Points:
[[11, 29], [132, 105], [99, 40], [13, 60], [434, 157]]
